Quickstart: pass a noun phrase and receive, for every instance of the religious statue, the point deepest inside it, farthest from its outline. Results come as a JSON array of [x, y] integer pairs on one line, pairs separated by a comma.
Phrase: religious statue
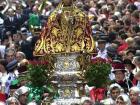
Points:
[[67, 31]]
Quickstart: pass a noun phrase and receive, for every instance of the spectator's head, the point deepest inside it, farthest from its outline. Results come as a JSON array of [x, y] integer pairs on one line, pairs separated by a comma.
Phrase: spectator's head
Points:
[[21, 94], [136, 61], [17, 37], [127, 23], [121, 38], [101, 43], [134, 94], [12, 101], [137, 42], [119, 71], [114, 91], [11, 12], [128, 14], [135, 17], [111, 51], [18, 9], [130, 53], [10, 54], [130, 42], [136, 28], [20, 56], [112, 36], [8, 33], [128, 65], [115, 44], [80, 5], [24, 33], [123, 99], [132, 7]]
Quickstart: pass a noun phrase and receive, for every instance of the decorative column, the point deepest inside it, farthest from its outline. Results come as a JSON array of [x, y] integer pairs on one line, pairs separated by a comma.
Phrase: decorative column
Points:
[[67, 79]]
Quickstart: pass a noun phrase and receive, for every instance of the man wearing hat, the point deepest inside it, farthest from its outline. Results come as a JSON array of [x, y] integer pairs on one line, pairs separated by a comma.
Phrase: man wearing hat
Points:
[[22, 94], [12, 70], [102, 52], [120, 78], [25, 45]]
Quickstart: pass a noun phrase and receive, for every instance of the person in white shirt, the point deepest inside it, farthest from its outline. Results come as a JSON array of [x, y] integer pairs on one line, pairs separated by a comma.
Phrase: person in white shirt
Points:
[[102, 52], [114, 91]]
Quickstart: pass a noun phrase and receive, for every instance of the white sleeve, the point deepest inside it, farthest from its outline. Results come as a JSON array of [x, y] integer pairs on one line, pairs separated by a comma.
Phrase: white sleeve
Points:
[[16, 73]]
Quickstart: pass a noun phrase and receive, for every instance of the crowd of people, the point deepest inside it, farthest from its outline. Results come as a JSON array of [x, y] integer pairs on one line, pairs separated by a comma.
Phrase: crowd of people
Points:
[[115, 29]]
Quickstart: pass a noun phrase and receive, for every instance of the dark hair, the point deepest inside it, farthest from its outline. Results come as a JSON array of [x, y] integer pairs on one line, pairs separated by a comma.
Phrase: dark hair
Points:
[[131, 50], [5, 37], [127, 21], [123, 36], [88, 101], [132, 7], [136, 28], [112, 36], [128, 61], [136, 14], [1, 7], [3, 62]]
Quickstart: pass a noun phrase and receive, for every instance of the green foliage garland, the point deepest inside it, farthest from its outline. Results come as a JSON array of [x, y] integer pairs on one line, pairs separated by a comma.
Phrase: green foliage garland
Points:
[[38, 79], [37, 73], [97, 73]]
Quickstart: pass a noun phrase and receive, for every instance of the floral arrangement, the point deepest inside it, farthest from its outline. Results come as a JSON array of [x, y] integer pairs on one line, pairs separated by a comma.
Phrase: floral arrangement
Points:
[[97, 73], [37, 73], [38, 80]]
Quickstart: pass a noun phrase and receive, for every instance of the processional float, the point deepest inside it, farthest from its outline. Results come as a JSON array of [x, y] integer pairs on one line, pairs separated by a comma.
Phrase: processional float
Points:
[[67, 39]]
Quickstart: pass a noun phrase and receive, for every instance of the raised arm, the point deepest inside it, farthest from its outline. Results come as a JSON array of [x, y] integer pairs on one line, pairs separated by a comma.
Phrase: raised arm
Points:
[[6, 7]]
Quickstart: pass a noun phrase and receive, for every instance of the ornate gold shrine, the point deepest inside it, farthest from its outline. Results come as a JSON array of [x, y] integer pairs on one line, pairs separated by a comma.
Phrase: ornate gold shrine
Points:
[[67, 31]]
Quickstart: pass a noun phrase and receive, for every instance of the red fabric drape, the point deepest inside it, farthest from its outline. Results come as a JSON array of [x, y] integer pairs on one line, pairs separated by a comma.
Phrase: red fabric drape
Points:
[[2, 97], [97, 94]]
